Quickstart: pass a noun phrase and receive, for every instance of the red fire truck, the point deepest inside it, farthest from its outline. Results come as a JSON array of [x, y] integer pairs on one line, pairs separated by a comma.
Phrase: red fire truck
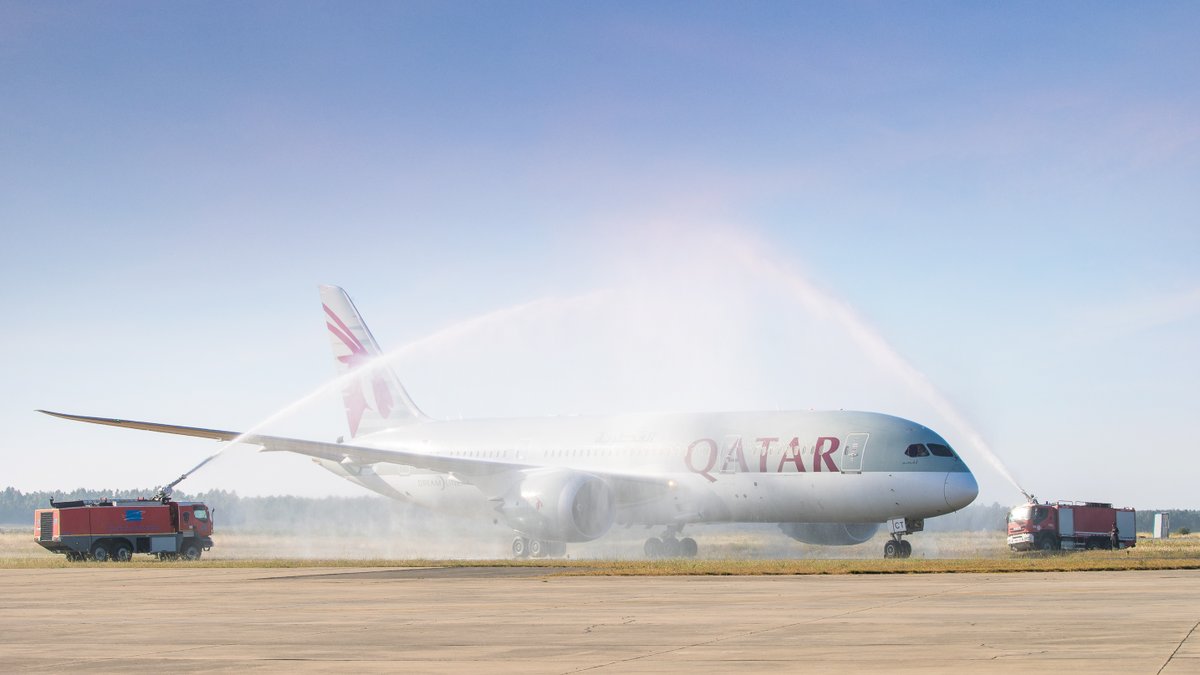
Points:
[[1050, 526], [115, 529]]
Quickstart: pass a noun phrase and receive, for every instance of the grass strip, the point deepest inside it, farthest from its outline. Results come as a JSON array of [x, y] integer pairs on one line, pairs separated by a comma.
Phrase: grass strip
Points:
[[1084, 562]]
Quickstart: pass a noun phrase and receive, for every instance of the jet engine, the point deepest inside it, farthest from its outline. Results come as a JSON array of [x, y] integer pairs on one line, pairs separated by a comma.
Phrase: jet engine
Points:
[[830, 534], [559, 505]]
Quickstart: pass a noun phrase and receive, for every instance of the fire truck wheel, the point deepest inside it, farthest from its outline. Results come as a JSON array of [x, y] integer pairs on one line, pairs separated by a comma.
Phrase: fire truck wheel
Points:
[[191, 552], [99, 552], [121, 552], [1047, 544]]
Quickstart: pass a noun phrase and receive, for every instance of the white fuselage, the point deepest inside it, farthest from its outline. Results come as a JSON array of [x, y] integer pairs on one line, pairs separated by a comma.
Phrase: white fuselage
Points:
[[816, 467]]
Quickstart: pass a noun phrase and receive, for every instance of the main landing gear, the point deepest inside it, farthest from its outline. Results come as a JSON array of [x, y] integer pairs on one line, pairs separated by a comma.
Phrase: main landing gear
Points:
[[897, 547], [523, 547], [670, 546]]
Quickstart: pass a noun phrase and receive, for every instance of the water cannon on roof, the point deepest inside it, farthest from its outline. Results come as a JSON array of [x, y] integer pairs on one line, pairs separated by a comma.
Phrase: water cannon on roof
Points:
[[164, 493]]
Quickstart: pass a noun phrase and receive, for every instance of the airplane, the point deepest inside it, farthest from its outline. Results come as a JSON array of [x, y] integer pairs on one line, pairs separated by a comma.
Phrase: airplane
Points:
[[829, 477]]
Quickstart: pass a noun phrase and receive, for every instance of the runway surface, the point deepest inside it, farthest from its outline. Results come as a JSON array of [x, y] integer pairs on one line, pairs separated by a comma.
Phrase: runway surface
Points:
[[434, 621]]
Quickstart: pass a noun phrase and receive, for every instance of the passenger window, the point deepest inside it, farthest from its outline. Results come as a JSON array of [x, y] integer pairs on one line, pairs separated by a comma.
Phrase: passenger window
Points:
[[940, 450], [916, 450], [187, 517]]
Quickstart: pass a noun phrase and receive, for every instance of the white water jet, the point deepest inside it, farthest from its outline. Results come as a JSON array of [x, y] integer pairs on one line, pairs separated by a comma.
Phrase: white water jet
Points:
[[871, 342], [454, 331], [759, 266]]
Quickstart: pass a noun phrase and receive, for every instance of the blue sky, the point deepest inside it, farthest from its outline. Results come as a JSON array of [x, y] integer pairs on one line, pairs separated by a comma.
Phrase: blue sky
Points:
[[1006, 194]]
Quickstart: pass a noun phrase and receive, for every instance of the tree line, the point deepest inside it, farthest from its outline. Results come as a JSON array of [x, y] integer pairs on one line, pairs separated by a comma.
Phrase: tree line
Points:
[[348, 515]]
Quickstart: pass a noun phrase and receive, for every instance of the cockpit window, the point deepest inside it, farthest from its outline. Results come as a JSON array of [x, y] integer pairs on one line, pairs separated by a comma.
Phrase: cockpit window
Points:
[[916, 450], [940, 450]]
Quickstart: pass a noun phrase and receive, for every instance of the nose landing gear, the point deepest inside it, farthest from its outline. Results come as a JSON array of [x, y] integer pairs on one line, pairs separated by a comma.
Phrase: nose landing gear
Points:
[[897, 547]]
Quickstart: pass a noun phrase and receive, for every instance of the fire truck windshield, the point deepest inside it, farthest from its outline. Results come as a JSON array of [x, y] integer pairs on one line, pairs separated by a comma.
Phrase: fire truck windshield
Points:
[[1023, 514], [1019, 514], [201, 514]]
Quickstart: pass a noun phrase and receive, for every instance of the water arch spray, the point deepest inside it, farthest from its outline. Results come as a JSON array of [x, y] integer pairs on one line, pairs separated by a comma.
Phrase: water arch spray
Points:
[[749, 259]]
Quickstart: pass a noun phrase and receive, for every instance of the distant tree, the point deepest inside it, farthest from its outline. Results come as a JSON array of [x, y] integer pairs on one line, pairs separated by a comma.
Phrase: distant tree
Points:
[[974, 518], [1180, 518]]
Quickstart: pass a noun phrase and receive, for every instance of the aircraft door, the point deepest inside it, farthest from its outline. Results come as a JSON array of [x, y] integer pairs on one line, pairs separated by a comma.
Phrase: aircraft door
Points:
[[852, 452]]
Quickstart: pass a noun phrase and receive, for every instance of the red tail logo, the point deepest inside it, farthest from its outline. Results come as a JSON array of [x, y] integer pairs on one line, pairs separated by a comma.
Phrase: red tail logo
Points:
[[353, 395]]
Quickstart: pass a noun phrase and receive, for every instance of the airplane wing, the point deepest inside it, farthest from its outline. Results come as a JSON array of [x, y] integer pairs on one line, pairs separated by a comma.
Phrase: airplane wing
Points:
[[470, 470], [331, 451]]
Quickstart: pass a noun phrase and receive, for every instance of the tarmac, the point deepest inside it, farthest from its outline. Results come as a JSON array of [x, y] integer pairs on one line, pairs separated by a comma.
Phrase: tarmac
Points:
[[107, 619]]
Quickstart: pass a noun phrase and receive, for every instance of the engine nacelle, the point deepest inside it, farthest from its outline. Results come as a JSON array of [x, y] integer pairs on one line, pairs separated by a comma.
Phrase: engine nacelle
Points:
[[560, 505], [830, 534]]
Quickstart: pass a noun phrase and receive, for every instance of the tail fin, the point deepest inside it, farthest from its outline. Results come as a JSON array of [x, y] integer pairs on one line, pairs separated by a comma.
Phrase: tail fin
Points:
[[374, 399]]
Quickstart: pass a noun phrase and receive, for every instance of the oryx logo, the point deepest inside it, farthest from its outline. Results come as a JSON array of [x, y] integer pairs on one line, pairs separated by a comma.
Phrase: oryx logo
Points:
[[133, 515], [353, 395]]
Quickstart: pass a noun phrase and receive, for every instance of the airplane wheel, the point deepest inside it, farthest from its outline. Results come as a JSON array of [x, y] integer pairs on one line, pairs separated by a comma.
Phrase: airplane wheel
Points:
[[688, 547], [537, 549], [671, 548], [891, 549], [905, 549], [653, 548], [520, 547]]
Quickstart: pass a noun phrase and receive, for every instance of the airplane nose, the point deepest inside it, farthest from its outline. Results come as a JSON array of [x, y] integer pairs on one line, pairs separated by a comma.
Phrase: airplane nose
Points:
[[961, 489]]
